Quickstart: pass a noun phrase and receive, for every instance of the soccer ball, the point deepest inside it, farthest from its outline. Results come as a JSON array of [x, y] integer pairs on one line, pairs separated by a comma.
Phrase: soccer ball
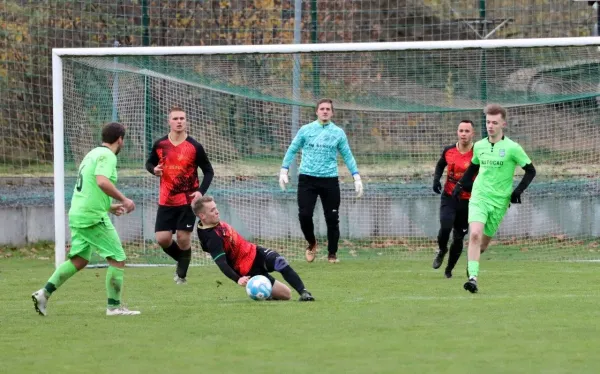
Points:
[[259, 287]]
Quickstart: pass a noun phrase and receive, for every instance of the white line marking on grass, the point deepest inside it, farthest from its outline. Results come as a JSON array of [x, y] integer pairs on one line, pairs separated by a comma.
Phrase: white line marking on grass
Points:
[[470, 297]]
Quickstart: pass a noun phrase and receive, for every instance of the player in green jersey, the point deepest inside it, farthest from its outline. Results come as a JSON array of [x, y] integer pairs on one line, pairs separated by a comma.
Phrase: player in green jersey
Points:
[[90, 225], [494, 159]]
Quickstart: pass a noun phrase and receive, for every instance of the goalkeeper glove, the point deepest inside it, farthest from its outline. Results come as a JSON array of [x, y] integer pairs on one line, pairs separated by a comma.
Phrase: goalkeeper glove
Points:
[[437, 186], [457, 190], [283, 178], [515, 197], [358, 186]]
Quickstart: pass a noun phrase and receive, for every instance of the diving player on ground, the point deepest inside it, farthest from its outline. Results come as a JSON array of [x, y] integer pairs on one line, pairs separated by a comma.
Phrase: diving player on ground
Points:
[[239, 259]]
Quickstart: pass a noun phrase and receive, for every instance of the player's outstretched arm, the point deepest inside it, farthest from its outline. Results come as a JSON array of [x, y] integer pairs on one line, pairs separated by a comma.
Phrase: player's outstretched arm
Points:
[[213, 244], [530, 172], [111, 190], [221, 262], [350, 161], [466, 182]]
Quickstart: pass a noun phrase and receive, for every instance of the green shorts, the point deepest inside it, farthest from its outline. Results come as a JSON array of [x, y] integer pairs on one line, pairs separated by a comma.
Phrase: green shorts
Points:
[[103, 238], [491, 216]]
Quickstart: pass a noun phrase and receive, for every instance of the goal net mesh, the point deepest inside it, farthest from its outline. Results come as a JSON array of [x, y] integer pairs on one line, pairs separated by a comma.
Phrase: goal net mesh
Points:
[[398, 109]]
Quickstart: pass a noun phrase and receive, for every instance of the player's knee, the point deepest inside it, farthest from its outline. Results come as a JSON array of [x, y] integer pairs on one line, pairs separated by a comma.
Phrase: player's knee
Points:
[[164, 239], [281, 292], [79, 262], [183, 239], [458, 236], [447, 224], [475, 236], [305, 212], [332, 217]]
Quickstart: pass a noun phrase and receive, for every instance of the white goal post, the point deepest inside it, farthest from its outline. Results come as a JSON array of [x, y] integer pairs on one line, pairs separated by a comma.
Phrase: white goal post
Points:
[[549, 73]]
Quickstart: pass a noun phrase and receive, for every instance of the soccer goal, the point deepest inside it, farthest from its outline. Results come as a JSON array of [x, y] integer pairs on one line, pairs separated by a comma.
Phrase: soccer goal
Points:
[[399, 103]]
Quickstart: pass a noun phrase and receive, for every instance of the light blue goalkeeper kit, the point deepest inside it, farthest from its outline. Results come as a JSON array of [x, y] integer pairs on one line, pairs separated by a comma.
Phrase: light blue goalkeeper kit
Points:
[[320, 144]]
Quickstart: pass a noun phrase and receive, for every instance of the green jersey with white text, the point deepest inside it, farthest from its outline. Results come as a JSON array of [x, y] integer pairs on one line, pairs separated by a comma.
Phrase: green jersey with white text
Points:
[[497, 163]]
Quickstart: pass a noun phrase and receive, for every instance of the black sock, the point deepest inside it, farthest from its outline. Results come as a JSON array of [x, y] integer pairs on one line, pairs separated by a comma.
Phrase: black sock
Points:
[[173, 251], [184, 262], [293, 279]]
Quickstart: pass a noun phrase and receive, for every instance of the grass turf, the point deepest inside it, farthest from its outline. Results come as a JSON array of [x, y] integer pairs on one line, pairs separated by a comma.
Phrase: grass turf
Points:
[[370, 316]]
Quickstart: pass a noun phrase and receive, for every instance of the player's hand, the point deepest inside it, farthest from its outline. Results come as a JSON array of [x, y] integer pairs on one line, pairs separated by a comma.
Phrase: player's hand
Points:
[[437, 186], [129, 205], [358, 186], [243, 280], [457, 190], [283, 178], [515, 198], [158, 171], [195, 196], [117, 209]]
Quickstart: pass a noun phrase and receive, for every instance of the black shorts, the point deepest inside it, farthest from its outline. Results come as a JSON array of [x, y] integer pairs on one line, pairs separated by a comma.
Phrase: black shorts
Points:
[[173, 218], [265, 263]]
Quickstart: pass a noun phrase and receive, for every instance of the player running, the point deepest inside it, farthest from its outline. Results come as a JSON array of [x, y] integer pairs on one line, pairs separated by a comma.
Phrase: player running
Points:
[[495, 158], [90, 225], [453, 213]]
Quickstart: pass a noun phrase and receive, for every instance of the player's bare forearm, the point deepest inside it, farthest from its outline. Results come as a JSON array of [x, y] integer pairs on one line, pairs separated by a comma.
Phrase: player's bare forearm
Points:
[[108, 188]]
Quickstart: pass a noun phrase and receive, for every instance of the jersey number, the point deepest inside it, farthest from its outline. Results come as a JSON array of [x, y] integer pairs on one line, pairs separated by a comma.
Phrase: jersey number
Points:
[[79, 183]]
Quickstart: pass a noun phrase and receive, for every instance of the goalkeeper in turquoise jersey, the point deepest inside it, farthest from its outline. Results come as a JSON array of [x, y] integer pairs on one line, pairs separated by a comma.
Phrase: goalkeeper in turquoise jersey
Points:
[[495, 159], [320, 142], [90, 225]]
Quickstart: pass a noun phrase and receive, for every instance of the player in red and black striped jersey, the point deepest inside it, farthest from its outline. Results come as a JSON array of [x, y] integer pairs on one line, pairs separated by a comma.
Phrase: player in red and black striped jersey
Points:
[[453, 214], [240, 259], [175, 158]]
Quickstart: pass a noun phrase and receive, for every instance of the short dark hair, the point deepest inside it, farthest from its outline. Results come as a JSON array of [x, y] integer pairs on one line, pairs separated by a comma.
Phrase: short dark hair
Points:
[[176, 108], [494, 109], [111, 132], [468, 121], [199, 204], [324, 100]]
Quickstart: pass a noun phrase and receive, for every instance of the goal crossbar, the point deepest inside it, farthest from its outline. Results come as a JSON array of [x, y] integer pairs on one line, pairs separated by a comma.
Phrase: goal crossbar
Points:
[[58, 83]]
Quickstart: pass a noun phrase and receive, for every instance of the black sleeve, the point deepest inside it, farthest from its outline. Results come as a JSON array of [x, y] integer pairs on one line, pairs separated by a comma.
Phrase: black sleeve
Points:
[[468, 186], [441, 164], [226, 269], [203, 163], [152, 160], [467, 179], [527, 178], [213, 244]]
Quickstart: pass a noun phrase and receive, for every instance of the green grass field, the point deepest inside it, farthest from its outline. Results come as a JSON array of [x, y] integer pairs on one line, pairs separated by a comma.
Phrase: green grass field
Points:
[[371, 316]]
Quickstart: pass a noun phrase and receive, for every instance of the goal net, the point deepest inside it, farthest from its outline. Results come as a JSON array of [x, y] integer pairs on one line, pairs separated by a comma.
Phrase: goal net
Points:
[[399, 104]]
